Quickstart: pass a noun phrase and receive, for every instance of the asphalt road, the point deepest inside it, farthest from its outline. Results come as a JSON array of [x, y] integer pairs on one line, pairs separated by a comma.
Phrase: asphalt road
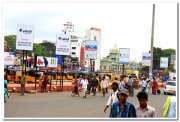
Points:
[[61, 104]]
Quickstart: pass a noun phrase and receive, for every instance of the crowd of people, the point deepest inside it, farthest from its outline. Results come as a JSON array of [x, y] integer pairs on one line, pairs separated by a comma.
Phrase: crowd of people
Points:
[[117, 101]]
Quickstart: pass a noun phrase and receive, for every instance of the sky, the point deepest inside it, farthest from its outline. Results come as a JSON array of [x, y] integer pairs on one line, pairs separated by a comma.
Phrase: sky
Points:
[[126, 24]]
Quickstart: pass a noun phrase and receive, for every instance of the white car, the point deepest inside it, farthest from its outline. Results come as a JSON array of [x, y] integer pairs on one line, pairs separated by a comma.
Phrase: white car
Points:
[[170, 87]]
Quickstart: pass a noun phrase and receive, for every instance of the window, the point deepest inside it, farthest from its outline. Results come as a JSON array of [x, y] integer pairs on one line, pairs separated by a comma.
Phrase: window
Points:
[[73, 47], [113, 59], [94, 38], [73, 53]]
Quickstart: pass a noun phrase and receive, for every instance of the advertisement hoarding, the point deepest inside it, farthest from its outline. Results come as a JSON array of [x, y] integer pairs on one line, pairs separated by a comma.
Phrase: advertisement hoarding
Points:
[[46, 62], [63, 44], [90, 49], [164, 62], [25, 37], [146, 59], [124, 55], [8, 58]]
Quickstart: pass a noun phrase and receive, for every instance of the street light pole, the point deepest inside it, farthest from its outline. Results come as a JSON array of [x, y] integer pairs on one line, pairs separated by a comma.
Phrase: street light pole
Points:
[[152, 40]]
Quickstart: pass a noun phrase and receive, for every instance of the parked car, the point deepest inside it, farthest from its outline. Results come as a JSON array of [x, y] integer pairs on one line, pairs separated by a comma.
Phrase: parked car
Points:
[[170, 87]]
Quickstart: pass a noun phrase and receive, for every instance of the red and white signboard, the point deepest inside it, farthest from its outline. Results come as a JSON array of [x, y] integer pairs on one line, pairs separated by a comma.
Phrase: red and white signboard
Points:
[[8, 58], [46, 62], [25, 37]]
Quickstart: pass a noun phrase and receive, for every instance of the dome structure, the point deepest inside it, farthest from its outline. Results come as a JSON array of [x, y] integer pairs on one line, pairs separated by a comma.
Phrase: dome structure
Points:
[[114, 50]]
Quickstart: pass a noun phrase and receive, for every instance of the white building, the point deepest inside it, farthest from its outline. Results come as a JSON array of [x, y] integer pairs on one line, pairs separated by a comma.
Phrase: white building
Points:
[[75, 46], [95, 34]]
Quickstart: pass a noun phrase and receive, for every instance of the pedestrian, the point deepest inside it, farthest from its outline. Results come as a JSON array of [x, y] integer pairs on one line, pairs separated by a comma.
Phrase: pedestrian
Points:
[[94, 85], [170, 107], [23, 82], [130, 86], [122, 108], [154, 86], [129, 83], [45, 82], [143, 85], [75, 87], [104, 85], [143, 109], [112, 98], [121, 84], [84, 83], [89, 87], [79, 83], [5, 89], [99, 84], [107, 80], [148, 86]]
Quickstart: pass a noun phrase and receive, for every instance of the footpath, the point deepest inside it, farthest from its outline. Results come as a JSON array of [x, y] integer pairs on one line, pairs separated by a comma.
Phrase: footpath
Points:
[[30, 88]]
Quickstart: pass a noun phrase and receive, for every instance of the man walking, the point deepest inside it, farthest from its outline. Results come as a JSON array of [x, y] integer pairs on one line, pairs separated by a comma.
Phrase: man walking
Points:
[[144, 83], [23, 82], [94, 85], [104, 85], [113, 97], [143, 109], [84, 83], [122, 108]]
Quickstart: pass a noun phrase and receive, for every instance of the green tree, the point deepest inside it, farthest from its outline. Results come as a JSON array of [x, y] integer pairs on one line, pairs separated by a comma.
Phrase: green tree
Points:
[[11, 42], [157, 53], [48, 48], [37, 48]]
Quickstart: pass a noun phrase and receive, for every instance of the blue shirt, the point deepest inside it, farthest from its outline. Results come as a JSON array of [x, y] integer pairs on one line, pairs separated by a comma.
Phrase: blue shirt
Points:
[[127, 111]]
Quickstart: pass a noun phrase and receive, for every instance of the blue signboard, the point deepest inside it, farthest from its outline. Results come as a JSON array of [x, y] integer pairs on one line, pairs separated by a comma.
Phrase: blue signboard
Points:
[[59, 60]]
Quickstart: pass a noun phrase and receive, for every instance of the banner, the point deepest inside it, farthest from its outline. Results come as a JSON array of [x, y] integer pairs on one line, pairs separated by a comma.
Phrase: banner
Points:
[[63, 44], [46, 62], [164, 62], [146, 59], [59, 60], [90, 49], [124, 55], [8, 58], [17, 61], [25, 37]]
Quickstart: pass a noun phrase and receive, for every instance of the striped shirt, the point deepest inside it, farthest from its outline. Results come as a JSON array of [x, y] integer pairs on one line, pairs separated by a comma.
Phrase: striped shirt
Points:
[[127, 111]]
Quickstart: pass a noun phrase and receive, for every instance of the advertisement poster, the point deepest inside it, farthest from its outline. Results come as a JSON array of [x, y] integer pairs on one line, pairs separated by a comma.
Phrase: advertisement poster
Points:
[[164, 62], [124, 55], [90, 49], [146, 59], [63, 44], [8, 58], [25, 37], [46, 62]]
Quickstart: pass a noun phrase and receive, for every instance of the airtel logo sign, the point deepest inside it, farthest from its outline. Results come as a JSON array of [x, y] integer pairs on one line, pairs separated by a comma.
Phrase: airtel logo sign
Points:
[[25, 31]]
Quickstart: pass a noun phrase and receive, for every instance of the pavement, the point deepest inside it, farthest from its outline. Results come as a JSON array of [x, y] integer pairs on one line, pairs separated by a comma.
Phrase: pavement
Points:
[[67, 86], [62, 105]]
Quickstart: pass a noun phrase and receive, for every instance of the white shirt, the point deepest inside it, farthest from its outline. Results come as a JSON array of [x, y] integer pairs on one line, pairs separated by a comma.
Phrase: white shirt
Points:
[[112, 98], [104, 84], [143, 83], [148, 112], [84, 83], [120, 85]]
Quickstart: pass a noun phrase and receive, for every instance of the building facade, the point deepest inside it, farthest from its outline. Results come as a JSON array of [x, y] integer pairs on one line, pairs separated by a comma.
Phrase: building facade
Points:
[[95, 34], [111, 62]]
